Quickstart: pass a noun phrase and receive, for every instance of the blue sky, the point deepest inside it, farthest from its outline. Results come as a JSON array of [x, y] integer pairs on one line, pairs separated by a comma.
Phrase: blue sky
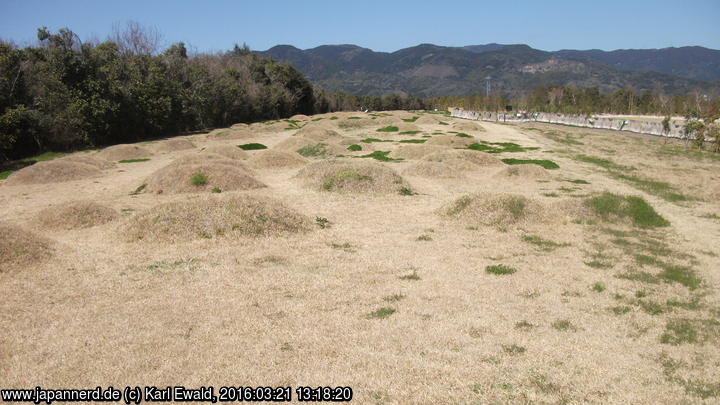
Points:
[[380, 25]]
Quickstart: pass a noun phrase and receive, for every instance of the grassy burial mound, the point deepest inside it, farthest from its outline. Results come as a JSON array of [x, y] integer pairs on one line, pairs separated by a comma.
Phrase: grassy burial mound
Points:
[[75, 215], [414, 152], [523, 172], [352, 177], [318, 132], [20, 248], [451, 141], [88, 160], [274, 159], [451, 164], [53, 171], [310, 148], [475, 158], [427, 120], [116, 153], [231, 133], [201, 174], [499, 210], [214, 216], [174, 145], [226, 151], [467, 126]]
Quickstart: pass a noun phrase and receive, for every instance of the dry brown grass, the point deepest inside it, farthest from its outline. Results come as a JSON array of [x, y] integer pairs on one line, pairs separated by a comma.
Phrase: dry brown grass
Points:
[[123, 152], [581, 320], [524, 172], [427, 119], [222, 174], [498, 210], [273, 159], [352, 177], [53, 171], [20, 248], [75, 215], [300, 117], [174, 145], [212, 217]]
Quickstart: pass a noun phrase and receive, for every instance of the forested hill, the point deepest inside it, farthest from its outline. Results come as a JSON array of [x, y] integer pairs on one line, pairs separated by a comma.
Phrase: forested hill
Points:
[[429, 70], [64, 94]]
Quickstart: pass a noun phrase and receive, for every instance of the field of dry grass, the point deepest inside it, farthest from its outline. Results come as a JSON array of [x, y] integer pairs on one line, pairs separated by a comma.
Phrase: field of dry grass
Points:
[[418, 258]]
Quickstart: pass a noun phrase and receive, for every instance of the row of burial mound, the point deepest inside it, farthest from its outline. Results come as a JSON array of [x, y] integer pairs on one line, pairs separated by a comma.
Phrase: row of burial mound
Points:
[[20, 248], [213, 216], [123, 152], [352, 177], [197, 173]]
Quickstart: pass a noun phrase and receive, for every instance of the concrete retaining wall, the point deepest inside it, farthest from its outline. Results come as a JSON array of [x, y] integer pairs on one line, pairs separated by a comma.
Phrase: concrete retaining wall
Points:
[[652, 128]]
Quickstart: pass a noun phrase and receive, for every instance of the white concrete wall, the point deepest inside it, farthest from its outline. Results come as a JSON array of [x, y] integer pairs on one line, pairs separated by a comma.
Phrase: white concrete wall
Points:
[[652, 128]]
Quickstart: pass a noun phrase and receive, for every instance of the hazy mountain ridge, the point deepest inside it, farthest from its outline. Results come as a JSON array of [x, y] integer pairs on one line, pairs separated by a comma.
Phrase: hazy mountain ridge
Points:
[[432, 70]]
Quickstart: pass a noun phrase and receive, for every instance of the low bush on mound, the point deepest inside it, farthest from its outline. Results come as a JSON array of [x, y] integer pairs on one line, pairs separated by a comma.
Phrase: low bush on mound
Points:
[[215, 216], [76, 215]]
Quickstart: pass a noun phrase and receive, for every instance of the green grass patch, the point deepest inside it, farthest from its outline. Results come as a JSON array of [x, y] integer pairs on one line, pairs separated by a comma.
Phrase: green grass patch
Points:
[[513, 349], [198, 179], [610, 206], [424, 238], [443, 123], [500, 269], [414, 276], [139, 189], [409, 132], [393, 298], [578, 181], [413, 141], [547, 164], [322, 222], [406, 191], [606, 163], [495, 147], [544, 244], [598, 287], [216, 190], [659, 188], [463, 135], [389, 128], [133, 160], [371, 140], [596, 264], [413, 119], [4, 175], [317, 150], [379, 155], [563, 325], [672, 273], [353, 118], [690, 331], [382, 313], [354, 148], [330, 181], [252, 146]]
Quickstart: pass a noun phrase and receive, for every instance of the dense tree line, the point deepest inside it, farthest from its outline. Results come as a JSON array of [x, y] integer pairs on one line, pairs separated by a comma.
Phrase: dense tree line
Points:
[[570, 100], [64, 94]]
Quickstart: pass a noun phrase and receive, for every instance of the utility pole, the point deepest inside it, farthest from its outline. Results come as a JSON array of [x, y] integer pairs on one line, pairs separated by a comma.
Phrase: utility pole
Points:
[[487, 86]]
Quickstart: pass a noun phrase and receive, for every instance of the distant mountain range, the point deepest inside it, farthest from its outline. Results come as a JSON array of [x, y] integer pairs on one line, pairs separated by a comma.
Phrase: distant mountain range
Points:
[[429, 70]]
